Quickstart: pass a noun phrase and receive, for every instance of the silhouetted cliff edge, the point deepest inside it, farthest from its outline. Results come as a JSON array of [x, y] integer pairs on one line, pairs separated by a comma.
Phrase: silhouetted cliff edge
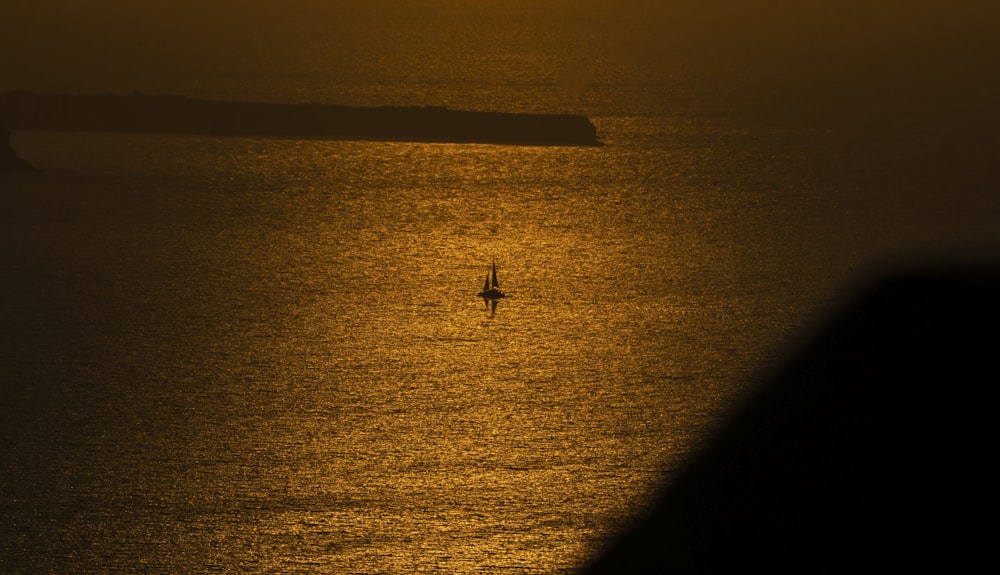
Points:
[[174, 114], [870, 451], [9, 162]]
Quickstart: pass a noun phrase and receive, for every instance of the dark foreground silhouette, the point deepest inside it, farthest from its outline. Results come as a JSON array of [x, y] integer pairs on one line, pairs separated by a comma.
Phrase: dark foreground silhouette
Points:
[[9, 161], [178, 115], [869, 452]]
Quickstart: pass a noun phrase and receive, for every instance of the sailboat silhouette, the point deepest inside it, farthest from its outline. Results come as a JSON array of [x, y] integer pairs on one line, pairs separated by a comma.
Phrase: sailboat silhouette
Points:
[[492, 290]]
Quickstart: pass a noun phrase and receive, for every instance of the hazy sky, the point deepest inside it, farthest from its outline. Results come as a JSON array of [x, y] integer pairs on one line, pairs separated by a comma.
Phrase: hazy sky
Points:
[[940, 53]]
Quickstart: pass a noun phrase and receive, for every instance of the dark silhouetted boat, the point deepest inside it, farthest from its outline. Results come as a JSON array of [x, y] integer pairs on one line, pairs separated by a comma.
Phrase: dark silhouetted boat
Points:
[[492, 290]]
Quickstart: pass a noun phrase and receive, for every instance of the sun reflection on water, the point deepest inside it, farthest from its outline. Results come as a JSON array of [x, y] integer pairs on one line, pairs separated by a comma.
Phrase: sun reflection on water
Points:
[[308, 380]]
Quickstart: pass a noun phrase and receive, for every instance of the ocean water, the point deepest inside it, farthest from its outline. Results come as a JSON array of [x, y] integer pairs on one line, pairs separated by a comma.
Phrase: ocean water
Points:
[[255, 355], [267, 356]]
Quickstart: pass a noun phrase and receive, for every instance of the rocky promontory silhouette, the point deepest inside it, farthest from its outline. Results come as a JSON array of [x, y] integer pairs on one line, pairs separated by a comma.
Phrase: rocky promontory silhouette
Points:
[[181, 115], [9, 162]]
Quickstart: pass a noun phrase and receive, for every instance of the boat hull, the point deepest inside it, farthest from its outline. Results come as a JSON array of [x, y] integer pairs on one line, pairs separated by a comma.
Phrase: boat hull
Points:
[[492, 294]]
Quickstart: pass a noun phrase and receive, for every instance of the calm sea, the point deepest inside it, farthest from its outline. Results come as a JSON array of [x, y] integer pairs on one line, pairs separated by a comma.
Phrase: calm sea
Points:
[[267, 356]]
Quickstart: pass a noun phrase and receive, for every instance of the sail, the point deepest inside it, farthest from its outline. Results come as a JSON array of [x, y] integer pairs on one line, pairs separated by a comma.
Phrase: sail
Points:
[[496, 284], [486, 286]]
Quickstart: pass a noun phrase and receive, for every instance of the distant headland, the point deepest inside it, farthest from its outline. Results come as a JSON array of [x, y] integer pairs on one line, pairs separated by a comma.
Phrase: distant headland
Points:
[[21, 110]]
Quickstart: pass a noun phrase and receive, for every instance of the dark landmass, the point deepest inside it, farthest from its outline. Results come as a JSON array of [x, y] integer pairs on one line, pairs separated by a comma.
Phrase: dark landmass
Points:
[[9, 161], [870, 451], [180, 115]]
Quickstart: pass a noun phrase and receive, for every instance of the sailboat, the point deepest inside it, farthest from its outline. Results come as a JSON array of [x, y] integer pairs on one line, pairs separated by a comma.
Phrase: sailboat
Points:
[[491, 291]]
